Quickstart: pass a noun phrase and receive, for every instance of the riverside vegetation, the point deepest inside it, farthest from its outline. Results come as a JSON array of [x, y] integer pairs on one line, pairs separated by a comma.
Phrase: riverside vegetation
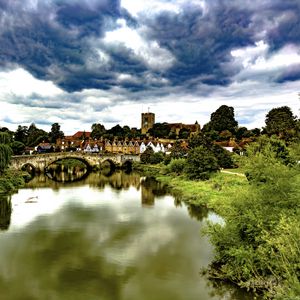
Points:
[[258, 245], [9, 180]]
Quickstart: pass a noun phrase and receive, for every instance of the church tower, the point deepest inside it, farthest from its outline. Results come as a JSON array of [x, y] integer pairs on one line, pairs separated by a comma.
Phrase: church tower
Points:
[[148, 120]]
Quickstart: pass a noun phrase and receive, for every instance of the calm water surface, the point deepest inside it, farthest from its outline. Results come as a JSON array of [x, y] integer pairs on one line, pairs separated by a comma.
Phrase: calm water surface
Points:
[[118, 238]]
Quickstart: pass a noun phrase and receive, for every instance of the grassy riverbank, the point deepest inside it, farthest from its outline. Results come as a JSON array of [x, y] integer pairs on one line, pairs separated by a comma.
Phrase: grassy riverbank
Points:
[[11, 181], [215, 193], [257, 247]]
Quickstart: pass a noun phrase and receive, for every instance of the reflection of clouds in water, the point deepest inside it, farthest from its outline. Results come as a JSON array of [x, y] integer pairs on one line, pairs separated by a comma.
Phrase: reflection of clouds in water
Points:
[[104, 246], [49, 201]]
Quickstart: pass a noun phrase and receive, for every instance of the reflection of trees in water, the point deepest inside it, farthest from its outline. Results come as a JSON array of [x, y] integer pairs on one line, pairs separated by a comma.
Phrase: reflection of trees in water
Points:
[[119, 180], [150, 189], [224, 290], [116, 180], [67, 173], [5, 212], [197, 212], [156, 187]]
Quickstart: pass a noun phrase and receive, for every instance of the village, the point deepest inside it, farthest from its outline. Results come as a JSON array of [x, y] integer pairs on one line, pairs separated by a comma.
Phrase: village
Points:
[[83, 140]]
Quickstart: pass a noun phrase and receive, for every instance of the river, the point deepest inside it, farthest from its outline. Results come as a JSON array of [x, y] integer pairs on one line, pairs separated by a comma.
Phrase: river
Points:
[[121, 237]]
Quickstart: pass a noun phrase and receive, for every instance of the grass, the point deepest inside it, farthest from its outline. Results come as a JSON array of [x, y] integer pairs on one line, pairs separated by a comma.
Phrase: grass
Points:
[[216, 193]]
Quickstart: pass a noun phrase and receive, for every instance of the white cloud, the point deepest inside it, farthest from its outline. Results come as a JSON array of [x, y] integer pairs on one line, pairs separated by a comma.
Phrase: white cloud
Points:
[[257, 63], [22, 83], [150, 52]]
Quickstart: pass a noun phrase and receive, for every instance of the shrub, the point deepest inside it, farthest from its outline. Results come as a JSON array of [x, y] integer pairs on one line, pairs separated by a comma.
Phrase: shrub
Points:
[[258, 245], [223, 156], [150, 157], [156, 158], [177, 165], [146, 155], [200, 163]]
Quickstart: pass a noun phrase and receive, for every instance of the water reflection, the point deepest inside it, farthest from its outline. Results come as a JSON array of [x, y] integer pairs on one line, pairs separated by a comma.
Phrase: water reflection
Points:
[[97, 239], [67, 170], [5, 212]]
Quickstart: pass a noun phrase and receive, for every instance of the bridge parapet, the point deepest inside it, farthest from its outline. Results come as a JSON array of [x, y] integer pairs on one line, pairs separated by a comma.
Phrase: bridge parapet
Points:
[[42, 161]]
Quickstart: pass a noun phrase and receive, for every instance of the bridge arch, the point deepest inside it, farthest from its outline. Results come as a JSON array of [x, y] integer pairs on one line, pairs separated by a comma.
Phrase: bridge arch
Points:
[[57, 159], [28, 167], [109, 161], [127, 164]]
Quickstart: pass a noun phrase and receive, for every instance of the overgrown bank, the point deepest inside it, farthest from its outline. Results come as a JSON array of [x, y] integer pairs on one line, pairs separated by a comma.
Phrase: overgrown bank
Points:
[[11, 181], [258, 246], [216, 193]]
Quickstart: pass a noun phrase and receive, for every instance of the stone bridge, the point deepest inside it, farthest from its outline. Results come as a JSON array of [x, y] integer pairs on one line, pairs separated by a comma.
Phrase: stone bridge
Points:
[[40, 162]]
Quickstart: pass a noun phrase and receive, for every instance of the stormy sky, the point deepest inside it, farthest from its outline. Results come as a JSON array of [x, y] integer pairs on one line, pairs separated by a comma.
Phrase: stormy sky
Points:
[[78, 62]]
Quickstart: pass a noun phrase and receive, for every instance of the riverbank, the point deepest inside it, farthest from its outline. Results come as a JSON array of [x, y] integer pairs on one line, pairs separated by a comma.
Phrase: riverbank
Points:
[[11, 181], [215, 193], [257, 247]]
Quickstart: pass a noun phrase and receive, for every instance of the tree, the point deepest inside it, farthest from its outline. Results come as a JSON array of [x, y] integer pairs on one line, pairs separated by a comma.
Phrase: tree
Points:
[[146, 155], [55, 133], [279, 121], [223, 156], [5, 151], [36, 135], [21, 134], [242, 132], [116, 131], [4, 138], [201, 163], [17, 147], [177, 151], [184, 133], [222, 119], [98, 130], [200, 139], [160, 130]]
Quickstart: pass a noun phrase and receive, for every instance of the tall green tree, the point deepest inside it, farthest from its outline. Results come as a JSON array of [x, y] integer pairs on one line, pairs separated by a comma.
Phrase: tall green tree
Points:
[[36, 135], [55, 133], [116, 131], [280, 121], [222, 119], [17, 147], [160, 130], [5, 151], [21, 134], [98, 130]]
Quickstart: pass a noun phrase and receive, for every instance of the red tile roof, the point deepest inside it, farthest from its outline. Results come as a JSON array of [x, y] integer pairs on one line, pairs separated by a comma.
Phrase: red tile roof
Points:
[[80, 134]]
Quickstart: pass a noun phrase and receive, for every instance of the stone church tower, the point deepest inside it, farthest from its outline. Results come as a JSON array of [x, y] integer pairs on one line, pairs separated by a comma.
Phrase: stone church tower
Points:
[[148, 120]]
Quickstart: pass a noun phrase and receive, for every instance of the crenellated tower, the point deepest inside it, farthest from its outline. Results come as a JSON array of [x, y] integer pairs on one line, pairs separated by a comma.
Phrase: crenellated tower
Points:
[[148, 120]]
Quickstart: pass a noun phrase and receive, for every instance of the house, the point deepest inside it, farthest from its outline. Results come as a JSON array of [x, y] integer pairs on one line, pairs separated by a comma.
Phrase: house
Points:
[[44, 148], [77, 141]]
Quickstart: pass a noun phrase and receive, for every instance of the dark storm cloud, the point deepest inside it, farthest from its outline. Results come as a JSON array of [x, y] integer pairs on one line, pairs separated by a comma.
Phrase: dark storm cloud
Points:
[[286, 18], [202, 42], [53, 41], [290, 74]]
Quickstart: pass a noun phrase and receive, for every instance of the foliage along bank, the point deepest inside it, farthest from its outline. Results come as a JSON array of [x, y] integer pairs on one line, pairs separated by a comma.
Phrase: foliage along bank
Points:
[[9, 180], [258, 246]]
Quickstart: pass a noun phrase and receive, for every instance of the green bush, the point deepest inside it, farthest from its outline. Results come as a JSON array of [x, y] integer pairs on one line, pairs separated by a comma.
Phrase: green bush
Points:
[[150, 157], [146, 156], [157, 158], [223, 156], [177, 165], [200, 163]]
